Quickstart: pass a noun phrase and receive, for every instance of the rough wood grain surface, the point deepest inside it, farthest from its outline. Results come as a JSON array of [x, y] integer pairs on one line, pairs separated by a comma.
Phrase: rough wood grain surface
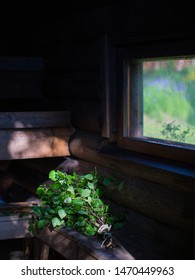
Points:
[[34, 134], [72, 245], [13, 226]]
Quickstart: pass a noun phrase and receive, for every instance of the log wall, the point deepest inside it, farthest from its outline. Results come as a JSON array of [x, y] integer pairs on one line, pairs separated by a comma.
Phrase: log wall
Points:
[[34, 134]]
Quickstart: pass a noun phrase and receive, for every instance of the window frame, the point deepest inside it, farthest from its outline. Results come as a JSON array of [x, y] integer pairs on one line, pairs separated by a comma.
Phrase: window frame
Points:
[[150, 146]]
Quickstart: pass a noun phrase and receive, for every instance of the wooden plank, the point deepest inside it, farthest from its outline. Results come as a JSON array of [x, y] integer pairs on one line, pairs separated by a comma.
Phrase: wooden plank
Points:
[[14, 220], [76, 76], [37, 246], [34, 104], [86, 91], [17, 206], [59, 243], [67, 242], [34, 119], [28, 248], [12, 227], [83, 255], [21, 84], [41, 250], [45, 252], [82, 55], [21, 63], [34, 143]]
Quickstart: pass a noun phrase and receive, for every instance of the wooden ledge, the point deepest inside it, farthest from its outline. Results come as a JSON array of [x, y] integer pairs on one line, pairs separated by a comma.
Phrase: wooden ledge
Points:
[[68, 243], [74, 245]]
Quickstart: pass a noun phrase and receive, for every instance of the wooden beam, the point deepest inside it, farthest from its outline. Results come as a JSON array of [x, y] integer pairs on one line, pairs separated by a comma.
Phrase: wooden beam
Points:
[[14, 63], [13, 226], [18, 206], [34, 134], [34, 119], [72, 244], [34, 143], [41, 250]]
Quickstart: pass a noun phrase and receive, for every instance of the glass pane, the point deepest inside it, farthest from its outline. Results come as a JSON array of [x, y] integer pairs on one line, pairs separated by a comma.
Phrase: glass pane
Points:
[[169, 99]]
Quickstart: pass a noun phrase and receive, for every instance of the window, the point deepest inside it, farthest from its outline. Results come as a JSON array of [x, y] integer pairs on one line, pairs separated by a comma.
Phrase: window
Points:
[[158, 106], [169, 99]]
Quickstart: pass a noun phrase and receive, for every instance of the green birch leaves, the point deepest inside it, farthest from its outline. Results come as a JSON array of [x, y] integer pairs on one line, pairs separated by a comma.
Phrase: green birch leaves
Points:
[[73, 201]]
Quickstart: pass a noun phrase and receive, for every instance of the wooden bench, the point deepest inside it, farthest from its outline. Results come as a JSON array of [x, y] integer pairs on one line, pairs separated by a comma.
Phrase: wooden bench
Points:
[[68, 243], [75, 246]]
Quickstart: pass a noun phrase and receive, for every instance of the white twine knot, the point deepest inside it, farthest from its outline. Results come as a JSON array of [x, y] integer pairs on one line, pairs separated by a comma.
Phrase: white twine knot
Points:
[[104, 228], [107, 235]]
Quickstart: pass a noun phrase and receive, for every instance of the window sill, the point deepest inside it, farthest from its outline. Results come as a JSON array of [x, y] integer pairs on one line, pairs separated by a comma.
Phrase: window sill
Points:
[[157, 163], [94, 149]]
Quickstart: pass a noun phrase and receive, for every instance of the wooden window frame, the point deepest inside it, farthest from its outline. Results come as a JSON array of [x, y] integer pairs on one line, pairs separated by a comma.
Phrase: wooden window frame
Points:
[[129, 107]]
